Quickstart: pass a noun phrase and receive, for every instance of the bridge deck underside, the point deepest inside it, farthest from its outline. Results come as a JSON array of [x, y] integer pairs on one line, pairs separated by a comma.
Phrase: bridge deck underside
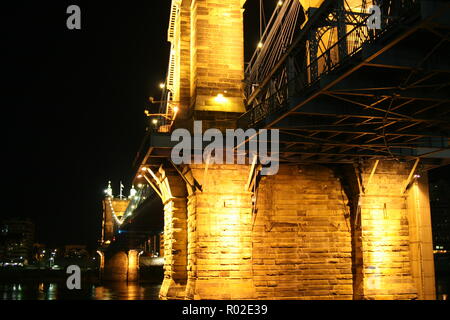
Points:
[[391, 100]]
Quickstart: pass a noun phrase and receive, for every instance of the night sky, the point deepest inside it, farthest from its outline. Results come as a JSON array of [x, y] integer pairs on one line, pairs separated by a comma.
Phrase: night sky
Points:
[[73, 106]]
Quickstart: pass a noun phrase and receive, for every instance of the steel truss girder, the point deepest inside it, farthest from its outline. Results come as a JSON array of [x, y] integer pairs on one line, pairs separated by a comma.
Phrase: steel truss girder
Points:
[[402, 112]]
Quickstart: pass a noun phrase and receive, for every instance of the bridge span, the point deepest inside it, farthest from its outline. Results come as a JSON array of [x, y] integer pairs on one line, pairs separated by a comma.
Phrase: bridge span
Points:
[[362, 113]]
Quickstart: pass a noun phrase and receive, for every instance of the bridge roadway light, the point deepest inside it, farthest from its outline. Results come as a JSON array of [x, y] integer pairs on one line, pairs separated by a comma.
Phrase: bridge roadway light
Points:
[[220, 98], [162, 85], [260, 44]]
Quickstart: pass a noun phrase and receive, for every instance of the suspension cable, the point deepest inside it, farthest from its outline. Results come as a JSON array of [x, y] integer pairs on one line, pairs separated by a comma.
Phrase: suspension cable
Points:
[[277, 36]]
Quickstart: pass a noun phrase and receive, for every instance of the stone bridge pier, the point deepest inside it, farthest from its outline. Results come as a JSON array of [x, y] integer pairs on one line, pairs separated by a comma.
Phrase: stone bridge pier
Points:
[[207, 233], [120, 266], [309, 232]]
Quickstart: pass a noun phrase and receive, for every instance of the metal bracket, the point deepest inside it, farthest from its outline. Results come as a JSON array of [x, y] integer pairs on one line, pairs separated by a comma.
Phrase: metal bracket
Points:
[[251, 174], [411, 174], [153, 186], [371, 174], [194, 186]]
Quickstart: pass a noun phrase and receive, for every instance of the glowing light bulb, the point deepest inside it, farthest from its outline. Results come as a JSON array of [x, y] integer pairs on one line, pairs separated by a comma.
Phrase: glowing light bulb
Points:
[[162, 85], [220, 98], [155, 121], [260, 44], [280, 3], [175, 109]]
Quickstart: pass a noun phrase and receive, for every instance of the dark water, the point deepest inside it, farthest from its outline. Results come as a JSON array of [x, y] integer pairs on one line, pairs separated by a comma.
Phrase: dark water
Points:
[[58, 291], [50, 290]]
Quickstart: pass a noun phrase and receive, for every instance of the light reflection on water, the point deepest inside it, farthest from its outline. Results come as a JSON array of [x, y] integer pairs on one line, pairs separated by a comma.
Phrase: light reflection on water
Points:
[[109, 291], [59, 291]]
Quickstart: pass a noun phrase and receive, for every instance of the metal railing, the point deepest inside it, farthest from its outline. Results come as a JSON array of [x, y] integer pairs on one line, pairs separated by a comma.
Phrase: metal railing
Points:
[[290, 81]]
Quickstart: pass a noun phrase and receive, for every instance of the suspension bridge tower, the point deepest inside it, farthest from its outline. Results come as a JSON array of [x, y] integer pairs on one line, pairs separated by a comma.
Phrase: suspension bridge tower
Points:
[[116, 264]]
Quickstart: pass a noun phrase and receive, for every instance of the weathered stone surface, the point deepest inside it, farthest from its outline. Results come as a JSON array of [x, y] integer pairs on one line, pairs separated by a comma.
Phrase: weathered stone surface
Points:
[[116, 267], [121, 266], [301, 235], [296, 238], [384, 234], [219, 220]]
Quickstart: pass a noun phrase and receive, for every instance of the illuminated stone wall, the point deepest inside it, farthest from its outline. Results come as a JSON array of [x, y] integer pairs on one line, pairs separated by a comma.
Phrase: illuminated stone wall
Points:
[[121, 266], [219, 234], [173, 191], [116, 267], [183, 54], [421, 239], [384, 256], [133, 266], [302, 237], [209, 53], [217, 54]]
